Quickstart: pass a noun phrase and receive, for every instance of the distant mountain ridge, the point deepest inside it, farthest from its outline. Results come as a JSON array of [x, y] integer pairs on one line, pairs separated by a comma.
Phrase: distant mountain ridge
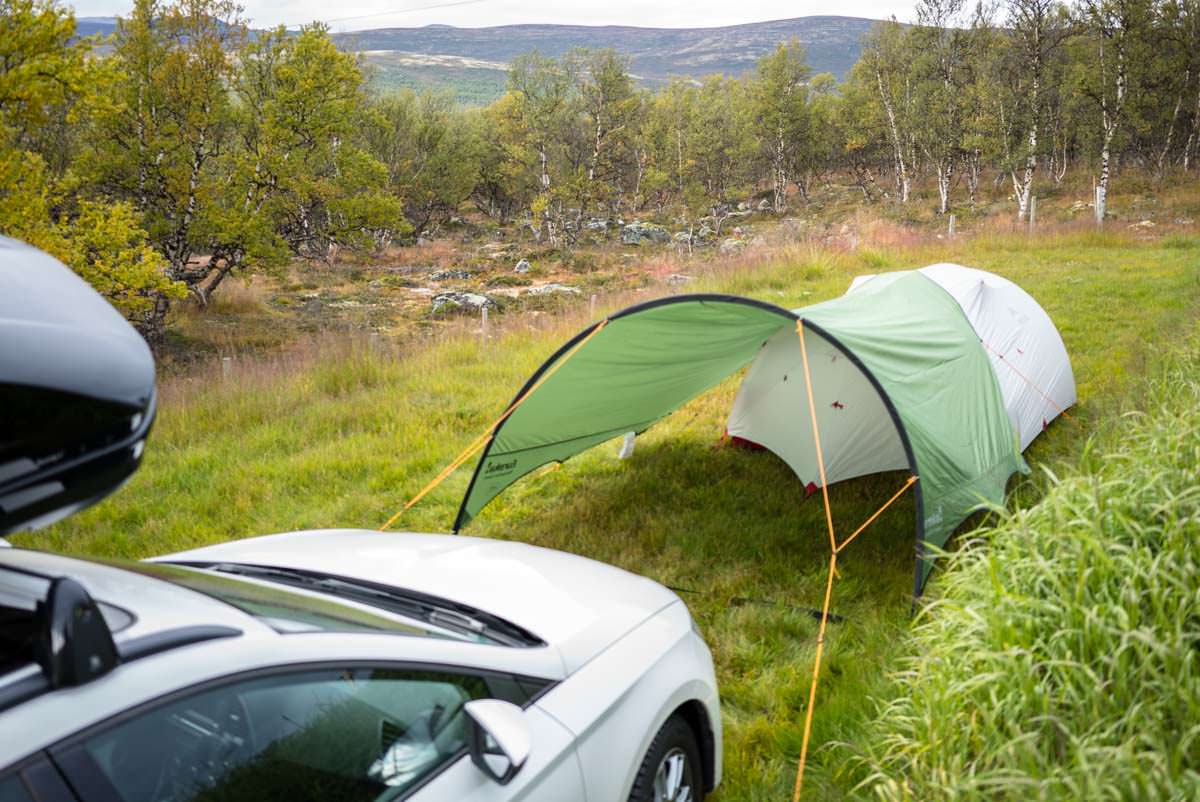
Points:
[[91, 26], [471, 61], [832, 43]]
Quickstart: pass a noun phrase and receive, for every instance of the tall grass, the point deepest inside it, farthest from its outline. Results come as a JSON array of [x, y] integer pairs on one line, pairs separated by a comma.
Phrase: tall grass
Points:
[[1062, 660]]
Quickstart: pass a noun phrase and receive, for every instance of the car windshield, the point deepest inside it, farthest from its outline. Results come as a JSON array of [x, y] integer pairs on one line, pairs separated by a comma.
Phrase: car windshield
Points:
[[284, 609], [444, 615]]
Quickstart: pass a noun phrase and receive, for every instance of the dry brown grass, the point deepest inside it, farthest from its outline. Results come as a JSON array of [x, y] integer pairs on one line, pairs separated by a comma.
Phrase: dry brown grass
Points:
[[241, 295], [436, 254]]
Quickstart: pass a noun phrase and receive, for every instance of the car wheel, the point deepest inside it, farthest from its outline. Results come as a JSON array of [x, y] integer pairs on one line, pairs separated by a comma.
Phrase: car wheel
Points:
[[671, 771]]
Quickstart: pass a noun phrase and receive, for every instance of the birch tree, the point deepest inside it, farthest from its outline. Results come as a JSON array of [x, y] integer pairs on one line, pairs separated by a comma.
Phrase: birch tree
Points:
[[158, 145], [1038, 29], [886, 62], [431, 152], [542, 90], [941, 75], [1169, 111], [722, 143], [301, 164], [781, 116], [859, 127], [1113, 29], [672, 115], [987, 54], [610, 106], [546, 105], [506, 181], [49, 82], [1187, 15]]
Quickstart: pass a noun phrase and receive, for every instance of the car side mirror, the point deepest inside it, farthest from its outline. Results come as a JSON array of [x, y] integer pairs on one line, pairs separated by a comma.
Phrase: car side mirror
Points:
[[498, 737]]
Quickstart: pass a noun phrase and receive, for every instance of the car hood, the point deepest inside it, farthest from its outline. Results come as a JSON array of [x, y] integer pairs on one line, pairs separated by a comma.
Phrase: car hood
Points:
[[578, 606]]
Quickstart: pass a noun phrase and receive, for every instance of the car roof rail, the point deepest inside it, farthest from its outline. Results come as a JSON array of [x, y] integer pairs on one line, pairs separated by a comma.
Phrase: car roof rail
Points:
[[75, 645], [169, 639]]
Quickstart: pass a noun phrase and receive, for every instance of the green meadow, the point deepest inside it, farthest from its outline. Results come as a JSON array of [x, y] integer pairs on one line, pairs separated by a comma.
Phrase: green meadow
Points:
[[340, 432]]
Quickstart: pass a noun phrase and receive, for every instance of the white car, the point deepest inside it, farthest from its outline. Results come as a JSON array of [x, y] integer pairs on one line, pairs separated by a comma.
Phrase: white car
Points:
[[336, 665], [350, 665]]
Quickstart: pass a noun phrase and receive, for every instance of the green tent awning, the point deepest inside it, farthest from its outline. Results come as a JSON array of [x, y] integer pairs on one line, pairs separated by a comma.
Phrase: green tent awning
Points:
[[899, 377]]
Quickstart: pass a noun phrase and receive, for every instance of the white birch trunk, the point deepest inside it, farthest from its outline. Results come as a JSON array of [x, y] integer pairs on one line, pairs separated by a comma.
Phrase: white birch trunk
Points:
[[1188, 149], [596, 150], [1023, 187], [545, 178], [945, 171], [679, 158], [902, 179], [1166, 150], [1110, 119], [971, 174], [780, 175]]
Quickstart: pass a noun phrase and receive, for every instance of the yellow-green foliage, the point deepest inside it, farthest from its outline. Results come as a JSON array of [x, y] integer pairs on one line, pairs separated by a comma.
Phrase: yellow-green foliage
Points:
[[45, 80], [103, 242], [41, 69], [346, 436], [106, 245]]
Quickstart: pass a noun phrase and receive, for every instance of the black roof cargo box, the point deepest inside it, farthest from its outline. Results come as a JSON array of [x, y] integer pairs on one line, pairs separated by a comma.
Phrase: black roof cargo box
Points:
[[76, 391]]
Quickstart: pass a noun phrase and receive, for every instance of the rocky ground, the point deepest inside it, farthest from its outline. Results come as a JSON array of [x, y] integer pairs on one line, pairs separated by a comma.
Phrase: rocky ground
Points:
[[471, 267]]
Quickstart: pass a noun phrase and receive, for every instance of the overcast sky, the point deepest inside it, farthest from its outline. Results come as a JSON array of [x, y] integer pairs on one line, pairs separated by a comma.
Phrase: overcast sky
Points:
[[352, 15]]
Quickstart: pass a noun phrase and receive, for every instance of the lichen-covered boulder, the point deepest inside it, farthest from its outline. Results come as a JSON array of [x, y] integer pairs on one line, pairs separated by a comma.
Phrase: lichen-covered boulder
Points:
[[638, 232], [465, 302], [446, 275], [552, 289]]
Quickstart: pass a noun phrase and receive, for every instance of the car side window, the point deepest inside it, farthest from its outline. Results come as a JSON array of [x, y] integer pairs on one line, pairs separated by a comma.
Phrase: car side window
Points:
[[13, 790], [354, 734]]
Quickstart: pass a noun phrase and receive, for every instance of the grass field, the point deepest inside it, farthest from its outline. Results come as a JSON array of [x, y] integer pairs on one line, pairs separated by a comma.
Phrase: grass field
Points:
[[342, 434]]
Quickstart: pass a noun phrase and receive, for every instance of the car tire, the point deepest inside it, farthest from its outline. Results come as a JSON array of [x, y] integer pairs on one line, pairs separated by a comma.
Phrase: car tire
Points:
[[671, 770]]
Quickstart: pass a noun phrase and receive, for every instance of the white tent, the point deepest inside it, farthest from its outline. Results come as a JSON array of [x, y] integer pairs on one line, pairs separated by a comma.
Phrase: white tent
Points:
[[858, 434], [1027, 353]]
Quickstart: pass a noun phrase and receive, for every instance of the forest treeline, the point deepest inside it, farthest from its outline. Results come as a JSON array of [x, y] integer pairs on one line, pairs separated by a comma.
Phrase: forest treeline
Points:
[[188, 147]]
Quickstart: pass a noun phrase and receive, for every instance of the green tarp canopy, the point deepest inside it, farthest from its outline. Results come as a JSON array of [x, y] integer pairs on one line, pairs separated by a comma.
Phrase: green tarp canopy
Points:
[[900, 380]]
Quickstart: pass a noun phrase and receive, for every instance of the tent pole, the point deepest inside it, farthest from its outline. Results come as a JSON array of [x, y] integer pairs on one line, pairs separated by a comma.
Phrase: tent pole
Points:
[[812, 411], [877, 513], [834, 549], [812, 691]]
